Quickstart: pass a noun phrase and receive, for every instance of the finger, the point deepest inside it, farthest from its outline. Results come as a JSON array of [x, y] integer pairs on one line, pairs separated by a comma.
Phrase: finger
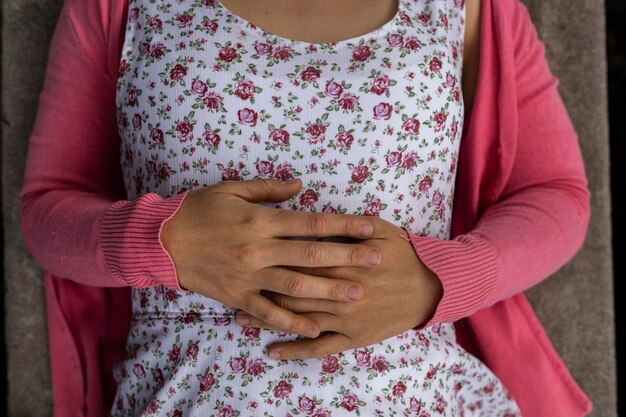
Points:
[[319, 254], [305, 224], [258, 190], [349, 273], [281, 318], [325, 345], [304, 305], [297, 284], [327, 322]]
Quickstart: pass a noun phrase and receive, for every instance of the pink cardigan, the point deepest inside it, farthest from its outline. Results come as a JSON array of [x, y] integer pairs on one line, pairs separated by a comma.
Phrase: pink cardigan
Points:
[[521, 212]]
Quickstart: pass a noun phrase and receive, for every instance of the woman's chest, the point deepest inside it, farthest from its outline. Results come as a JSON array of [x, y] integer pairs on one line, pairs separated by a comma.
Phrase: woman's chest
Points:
[[371, 124]]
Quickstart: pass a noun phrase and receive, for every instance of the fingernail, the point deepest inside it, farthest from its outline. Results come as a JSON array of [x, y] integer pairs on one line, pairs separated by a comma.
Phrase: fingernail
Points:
[[310, 332], [291, 181], [366, 229], [243, 319], [353, 293], [275, 355], [373, 257]]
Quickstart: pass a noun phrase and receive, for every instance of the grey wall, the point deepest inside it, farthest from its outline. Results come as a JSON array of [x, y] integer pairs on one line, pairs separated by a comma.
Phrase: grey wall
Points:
[[575, 305]]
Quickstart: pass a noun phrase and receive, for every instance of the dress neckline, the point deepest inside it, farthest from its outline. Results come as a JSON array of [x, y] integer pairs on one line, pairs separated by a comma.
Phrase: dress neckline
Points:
[[381, 31]]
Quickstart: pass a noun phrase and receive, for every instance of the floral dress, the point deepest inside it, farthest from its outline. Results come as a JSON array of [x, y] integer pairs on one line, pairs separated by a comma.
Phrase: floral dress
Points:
[[372, 126]]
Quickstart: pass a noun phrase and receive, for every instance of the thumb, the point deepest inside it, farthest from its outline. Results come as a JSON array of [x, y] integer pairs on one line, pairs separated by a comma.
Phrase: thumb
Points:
[[259, 190]]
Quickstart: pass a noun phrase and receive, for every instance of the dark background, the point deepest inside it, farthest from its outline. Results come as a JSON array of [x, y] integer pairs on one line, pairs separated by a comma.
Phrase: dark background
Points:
[[616, 55]]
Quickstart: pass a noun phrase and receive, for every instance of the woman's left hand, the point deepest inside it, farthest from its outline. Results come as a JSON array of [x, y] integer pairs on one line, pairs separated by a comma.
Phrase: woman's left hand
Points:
[[400, 293]]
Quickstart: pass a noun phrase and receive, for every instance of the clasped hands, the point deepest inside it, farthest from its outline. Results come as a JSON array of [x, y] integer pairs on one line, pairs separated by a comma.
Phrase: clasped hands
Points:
[[339, 295], [398, 293]]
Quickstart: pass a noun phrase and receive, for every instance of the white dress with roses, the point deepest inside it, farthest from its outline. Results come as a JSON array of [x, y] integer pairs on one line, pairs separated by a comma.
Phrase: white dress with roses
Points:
[[371, 124]]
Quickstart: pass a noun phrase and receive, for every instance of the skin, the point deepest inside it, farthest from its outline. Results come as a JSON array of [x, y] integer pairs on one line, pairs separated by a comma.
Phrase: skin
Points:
[[296, 286]]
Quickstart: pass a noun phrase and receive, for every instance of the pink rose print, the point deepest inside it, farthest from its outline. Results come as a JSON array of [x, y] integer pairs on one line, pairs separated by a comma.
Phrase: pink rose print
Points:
[[207, 382], [412, 43], [440, 119], [308, 198], [310, 75], [284, 171], [333, 89], [256, 367], [250, 333], [425, 184], [244, 89], [211, 139], [226, 411], [184, 20], [382, 111], [282, 389], [348, 101], [212, 100], [315, 133], [437, 199], [137, 122], [227, 54], [139, 371], [185, 131], [306, 405], [265, 168], [379, 363], [411, 125], [178, 72], [398, 389], [279, 137], [350, 402], [434, 64], [410, 161], [174, 354], [230, 174], [361, 53], [262, 48], [157, 50], [344, 139], [360, 174], [393, 158], [247, 117], [192, 351], [237, 365], [283, 53], [199, 87], [330, 364], [362, 357], [373, 208], [394, 40], [380, 85], [156, 135], [155, 23]]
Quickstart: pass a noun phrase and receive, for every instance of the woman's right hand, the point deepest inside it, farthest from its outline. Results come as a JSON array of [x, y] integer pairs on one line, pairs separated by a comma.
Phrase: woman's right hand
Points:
[[227, 247]]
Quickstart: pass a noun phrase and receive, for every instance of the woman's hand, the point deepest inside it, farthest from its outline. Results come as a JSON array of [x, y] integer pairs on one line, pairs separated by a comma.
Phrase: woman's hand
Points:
[[400, 293], [226, 247]]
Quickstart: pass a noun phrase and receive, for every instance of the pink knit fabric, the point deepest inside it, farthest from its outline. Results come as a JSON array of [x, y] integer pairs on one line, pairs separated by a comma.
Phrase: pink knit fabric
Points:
[[521, 212]]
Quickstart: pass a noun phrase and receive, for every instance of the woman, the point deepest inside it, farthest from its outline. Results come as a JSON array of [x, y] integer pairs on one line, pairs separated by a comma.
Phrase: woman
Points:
[[164, 67]]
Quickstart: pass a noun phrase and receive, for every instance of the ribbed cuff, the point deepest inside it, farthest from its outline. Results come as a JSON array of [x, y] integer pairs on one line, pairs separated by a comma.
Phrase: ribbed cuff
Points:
[[130, 240], [468, 269]]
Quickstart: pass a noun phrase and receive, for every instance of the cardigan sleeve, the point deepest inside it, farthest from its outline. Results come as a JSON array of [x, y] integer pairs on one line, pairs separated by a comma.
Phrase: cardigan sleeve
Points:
[[75, 220], [539, 221]]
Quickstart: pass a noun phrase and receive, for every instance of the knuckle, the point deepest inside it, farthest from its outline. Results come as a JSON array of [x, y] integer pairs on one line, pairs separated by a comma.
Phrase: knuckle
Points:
[[248, 252], [356, 255], [256, 220], [317, 224], [314, 254], [295, 286], [336, 292]]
